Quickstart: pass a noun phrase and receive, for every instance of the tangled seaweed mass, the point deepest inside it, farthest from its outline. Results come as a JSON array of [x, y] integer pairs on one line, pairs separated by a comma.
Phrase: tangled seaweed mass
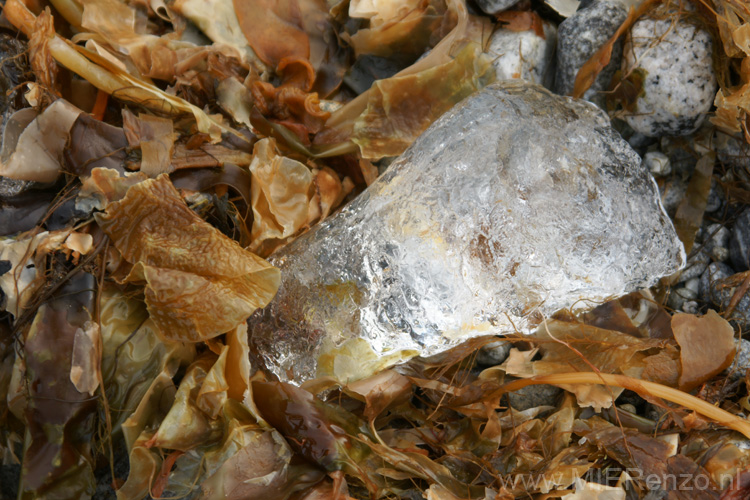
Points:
[[154, 155]]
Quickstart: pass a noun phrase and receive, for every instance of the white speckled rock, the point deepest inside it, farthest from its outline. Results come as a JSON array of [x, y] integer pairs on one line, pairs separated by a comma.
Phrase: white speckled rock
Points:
[[679, 85], [524, 54], [579, 37], [495, 6]]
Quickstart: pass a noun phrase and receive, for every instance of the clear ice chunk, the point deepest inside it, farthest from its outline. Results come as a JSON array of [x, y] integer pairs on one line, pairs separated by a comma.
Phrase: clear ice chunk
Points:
[[515, 204]]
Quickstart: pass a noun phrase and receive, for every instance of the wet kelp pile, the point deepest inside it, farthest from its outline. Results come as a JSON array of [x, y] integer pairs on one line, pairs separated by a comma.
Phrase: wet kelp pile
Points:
[[154, 153]]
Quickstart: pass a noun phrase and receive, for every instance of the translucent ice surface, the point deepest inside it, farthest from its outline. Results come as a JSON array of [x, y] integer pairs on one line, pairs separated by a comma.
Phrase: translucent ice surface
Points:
[[515, 204]]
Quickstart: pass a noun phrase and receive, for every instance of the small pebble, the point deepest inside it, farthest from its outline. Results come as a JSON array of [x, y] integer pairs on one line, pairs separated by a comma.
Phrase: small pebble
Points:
[[579, 37], [715, 272], [492, 7], [682, 156], [732, 151], [741, 362], [12, 187], [524, 54], [672, 194], [697, 263], [678, 83], [494, 353], [630, 398], [637, 141], [679, 297], [654, 413], [690, 307], [720, 292], [715, 198], [716, 239], [739, 243], [533, 396], [657, 163], [656, 493], [694, 286], [627, 407]]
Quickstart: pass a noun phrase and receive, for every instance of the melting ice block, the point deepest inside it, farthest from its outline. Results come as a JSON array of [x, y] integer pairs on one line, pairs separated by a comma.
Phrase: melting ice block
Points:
[[515, 204]]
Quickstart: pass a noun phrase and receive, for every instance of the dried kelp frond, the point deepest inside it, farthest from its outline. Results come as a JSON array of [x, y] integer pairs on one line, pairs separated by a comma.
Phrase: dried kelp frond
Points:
[[94, 144], [26, 260], [155, 137], [403, 35], [40, 56], [255, 463], [159, 336], [282, 190], [36, 154], [706, 346], [57, 461], [287, 197], [400, 108], [299, 32], [111, 78], [469, 31], [133, 355], [199, 282], [732, 101], [221, 26]]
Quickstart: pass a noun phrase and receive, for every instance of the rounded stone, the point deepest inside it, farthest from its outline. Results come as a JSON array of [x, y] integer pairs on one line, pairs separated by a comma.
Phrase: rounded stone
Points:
[[533, 396], [690, 307], [524, 54], [679, 86], [493, 353], [657, 163], [492, 7], [697, 262], [720, 291], [672, 194], [579, 37], [716, 238], [715, 198], [741, 362], [715, 272], [739, 244]]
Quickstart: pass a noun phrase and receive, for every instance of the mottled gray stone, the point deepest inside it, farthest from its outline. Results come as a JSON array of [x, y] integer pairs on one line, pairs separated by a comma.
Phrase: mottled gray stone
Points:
[[679, 85], [716, 198], [494, 353], [533, 396], [515, 204], [716, 242], [579, 37], [739, 243], [13, 187], [697, 262], [495, 6], [741, 362], [715, 272], [720, 292], [678, 297], [524, 54]]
